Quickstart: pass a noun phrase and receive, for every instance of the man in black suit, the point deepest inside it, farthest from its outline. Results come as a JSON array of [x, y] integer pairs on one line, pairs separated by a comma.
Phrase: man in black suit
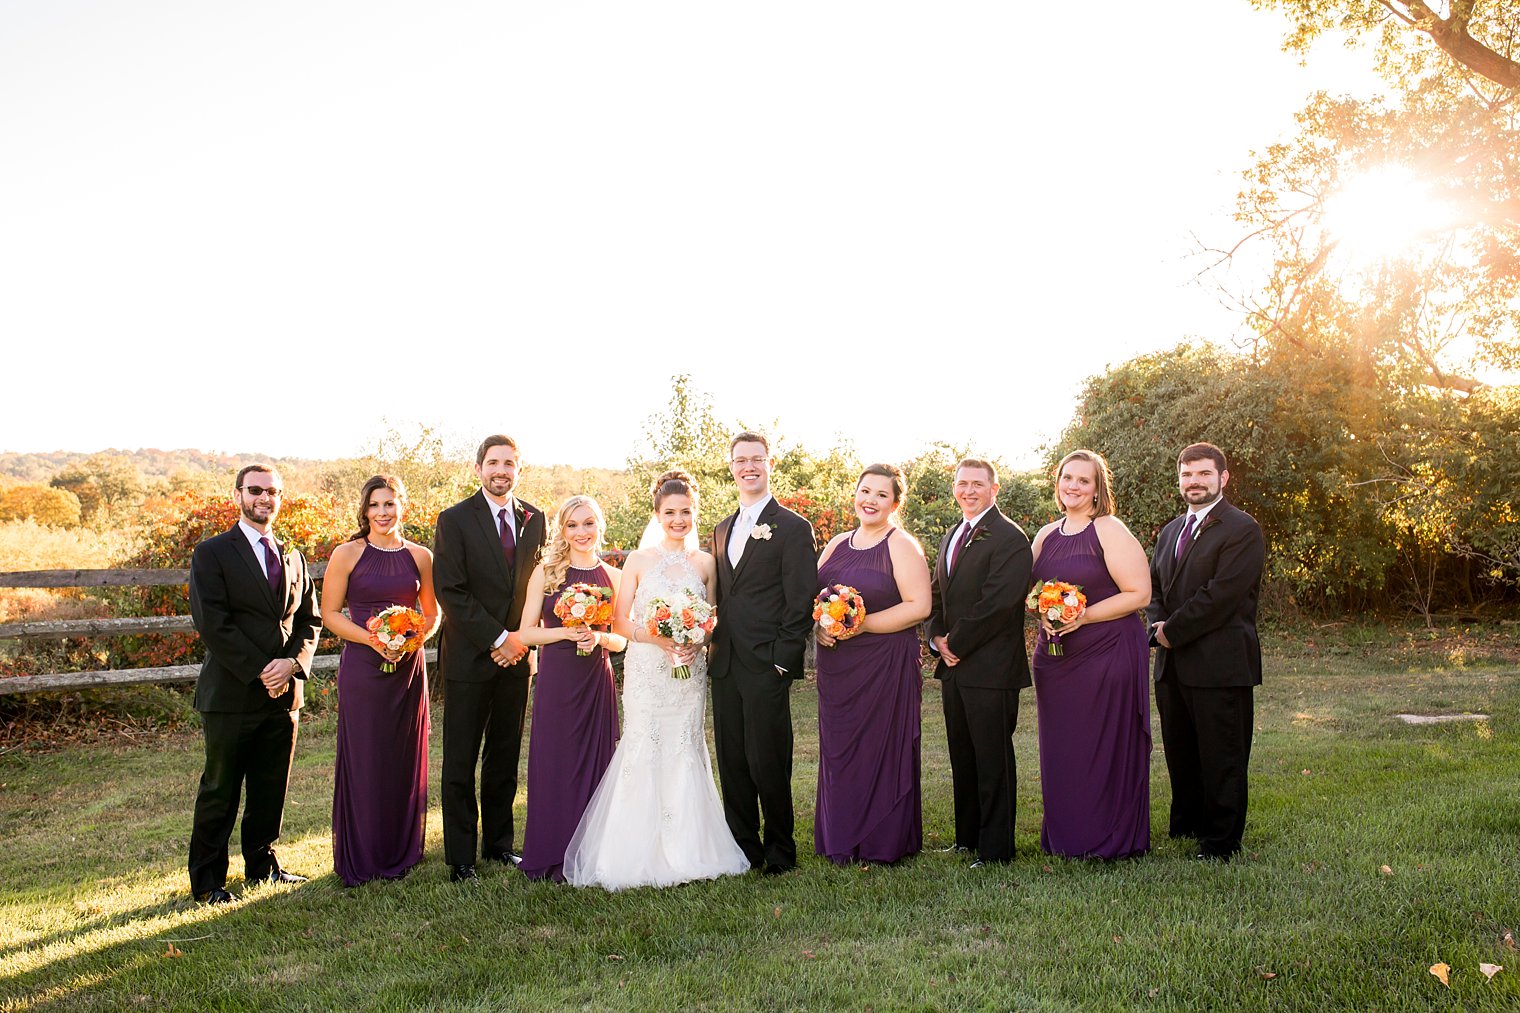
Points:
[[976, 627], [767, 577], [1206, 574], [484, 551], [255, 608]]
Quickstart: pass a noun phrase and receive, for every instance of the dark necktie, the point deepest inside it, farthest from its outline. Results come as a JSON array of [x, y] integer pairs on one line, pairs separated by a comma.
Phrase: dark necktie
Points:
[[1187, 535], [960, 546], [273, 567], [508, 540]]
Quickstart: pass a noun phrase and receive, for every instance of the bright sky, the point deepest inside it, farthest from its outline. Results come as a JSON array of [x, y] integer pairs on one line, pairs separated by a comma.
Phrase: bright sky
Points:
[[279, 227]]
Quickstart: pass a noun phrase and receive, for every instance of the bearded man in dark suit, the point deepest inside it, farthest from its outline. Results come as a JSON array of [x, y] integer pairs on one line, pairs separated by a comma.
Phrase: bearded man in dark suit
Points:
[[484, 551], [1205, 576], [976, 628], [255, 607]]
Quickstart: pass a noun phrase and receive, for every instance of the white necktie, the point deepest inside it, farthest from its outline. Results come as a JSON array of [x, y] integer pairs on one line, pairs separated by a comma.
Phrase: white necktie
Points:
[[738, 537]]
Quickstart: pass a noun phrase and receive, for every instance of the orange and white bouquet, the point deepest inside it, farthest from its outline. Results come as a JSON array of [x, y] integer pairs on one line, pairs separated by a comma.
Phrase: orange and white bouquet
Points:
[[584, 605], [397, 628], [839, 611], [1059, 604], [687, 620]]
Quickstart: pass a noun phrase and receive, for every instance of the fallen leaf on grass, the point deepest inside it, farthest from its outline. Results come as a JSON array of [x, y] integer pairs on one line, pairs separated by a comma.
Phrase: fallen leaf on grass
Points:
[[307, 932], [776, 911], [1441, 971], [1153, 993], [1489, 970], [809, 955], [1046, 868], [1508, 940], [614, 956], [1306, 770], [1118, 939], [1262, 972], [1385, 870], [173, 951]]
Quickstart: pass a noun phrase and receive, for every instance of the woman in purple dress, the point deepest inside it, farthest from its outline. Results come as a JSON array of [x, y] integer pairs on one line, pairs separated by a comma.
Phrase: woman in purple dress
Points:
[[1093, 698], [380, 794], [869, 686], [575, 723]]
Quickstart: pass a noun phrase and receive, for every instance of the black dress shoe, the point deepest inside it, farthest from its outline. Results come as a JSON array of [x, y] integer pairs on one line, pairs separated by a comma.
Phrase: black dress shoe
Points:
[[981, 862], [772, 869], [511, 858], [952, 849], [279, 875], [462, 873], [216, 895]]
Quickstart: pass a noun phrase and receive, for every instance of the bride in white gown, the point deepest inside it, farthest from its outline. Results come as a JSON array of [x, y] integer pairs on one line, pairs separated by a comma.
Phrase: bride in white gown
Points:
[[655, 819]]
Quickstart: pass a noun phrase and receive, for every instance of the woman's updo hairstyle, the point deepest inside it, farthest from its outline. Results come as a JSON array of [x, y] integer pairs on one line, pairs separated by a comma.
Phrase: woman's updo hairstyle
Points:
[[673, 483]]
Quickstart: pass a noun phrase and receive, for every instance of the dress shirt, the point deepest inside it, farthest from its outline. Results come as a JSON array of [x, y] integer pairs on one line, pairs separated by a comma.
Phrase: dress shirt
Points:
[[744, 526], [1198, 516], [253, 535]]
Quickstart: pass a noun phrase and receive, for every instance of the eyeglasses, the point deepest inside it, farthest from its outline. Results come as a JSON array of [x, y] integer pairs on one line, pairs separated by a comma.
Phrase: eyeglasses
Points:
[[742, 461], [259, 490]]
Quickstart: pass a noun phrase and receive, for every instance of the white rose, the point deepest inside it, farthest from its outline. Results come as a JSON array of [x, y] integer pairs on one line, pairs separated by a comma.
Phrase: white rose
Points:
[[1052, 613], [696, 636], [578, 610]]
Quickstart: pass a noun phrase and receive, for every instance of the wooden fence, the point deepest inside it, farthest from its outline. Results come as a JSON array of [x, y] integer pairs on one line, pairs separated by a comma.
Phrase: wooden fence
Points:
[[58, 629]]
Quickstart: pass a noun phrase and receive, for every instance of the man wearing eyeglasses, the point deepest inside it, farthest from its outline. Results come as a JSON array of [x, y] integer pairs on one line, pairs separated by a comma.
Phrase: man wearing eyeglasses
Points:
[[255, 608], [767, 575]]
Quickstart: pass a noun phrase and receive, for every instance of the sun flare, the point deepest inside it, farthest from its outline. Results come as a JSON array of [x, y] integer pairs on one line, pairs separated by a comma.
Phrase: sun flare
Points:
[[1382, 214]]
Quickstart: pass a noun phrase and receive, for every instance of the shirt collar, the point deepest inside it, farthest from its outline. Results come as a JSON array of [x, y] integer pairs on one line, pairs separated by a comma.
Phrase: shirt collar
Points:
[[252, 534], [510, 503], [752, 512], [973, 522], [1203, 512]]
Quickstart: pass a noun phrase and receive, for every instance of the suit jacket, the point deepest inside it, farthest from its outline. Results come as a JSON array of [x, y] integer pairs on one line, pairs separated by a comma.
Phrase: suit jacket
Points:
[[765, 604], [481, 596], [1208, 599], [979, 605], [245, 624]]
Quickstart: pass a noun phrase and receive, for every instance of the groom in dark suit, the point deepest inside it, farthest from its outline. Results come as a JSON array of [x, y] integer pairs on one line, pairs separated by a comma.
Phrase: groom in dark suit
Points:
[[484, 551], [1206, 574], [767, 578], [255, 608], [976, 627]]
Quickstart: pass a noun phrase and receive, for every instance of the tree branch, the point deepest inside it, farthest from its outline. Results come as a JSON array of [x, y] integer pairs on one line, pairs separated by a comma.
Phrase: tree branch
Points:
[[1450, 34]]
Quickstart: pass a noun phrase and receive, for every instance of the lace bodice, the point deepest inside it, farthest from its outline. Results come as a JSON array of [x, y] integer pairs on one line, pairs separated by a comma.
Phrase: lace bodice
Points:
[[671, 574]]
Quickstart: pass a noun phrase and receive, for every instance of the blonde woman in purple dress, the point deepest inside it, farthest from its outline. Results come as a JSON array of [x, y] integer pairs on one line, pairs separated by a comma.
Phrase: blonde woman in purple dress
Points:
[[574, 703], [1093, 699]]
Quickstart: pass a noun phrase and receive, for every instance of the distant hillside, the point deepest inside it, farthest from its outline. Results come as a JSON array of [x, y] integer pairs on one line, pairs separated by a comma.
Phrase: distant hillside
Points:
[[150, 463]]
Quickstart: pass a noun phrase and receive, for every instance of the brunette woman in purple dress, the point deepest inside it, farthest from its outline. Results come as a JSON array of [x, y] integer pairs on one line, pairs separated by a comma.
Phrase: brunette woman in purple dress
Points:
[[869, 686], [1093, 698], [380, 790], [575, 725]]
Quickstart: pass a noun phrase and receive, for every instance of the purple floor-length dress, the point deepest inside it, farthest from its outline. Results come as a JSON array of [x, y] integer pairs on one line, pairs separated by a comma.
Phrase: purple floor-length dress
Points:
[[380, 790], [1094, 714], [869, 698], [575, 731]]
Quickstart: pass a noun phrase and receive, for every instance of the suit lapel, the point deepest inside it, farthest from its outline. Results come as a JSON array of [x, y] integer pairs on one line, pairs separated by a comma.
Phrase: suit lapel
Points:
[[244, 549], [486, 516], [766, 516], [944, 555], [720, 541], [1170, 564]]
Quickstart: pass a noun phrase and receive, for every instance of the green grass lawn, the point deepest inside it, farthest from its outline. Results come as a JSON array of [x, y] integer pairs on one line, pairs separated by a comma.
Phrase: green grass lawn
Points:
[[94, 912]]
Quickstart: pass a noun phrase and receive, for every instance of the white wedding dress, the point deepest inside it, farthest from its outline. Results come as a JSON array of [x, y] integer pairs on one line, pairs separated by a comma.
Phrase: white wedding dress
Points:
[[655, 819]]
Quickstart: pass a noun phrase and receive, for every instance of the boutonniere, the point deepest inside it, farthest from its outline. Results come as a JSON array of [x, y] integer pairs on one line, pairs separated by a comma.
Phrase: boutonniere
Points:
[[761, 531], [977, 534]]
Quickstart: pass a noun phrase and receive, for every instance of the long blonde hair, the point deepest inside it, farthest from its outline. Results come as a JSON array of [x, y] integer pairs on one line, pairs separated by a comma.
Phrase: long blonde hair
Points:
[[557, 551]]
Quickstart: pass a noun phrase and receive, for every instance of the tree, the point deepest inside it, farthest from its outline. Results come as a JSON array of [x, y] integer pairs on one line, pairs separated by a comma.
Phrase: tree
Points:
[[1436, 163], [56, 508], [102, 482]]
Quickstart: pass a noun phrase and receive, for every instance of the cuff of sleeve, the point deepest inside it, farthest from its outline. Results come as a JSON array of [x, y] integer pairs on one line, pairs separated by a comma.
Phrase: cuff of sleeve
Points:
[[499, 640]]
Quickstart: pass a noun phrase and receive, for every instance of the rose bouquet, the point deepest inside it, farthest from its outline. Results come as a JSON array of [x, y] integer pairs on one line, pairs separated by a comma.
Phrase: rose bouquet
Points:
[[584, 605], [687, 620], [397, 628], [840, 611], [1059, 603]]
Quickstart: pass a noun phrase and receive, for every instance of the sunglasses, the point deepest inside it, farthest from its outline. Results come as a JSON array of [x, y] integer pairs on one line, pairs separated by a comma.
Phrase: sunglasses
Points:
[[259, 490]]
